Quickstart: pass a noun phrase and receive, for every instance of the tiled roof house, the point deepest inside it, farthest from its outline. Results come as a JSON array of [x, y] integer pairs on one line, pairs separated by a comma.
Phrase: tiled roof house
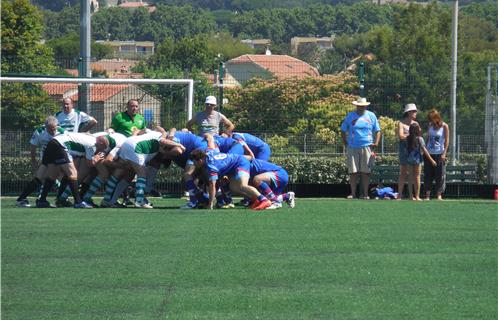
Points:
[[241, 69]]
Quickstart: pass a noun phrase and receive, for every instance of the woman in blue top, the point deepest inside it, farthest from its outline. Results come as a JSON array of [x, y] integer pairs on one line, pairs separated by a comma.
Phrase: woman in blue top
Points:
[[360, 132]]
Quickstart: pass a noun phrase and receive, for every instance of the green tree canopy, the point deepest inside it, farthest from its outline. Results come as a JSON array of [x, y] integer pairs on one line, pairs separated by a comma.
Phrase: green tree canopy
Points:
[[68, 47], [24, 105]]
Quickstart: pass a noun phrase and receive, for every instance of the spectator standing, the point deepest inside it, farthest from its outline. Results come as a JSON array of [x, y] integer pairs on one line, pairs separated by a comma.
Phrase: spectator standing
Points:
[[360, 133], [417, 151], [130, 122], [437, 145], [73, 120], [409, 118], [209, 120]]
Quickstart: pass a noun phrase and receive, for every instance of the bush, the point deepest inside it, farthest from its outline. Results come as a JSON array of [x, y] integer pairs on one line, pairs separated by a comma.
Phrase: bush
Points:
[[301, 169]]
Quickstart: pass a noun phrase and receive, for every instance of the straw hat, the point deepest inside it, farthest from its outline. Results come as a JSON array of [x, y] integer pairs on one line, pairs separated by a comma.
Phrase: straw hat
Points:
[[362, 102]]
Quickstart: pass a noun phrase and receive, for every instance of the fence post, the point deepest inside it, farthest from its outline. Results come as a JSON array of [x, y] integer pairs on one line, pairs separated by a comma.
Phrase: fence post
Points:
[[458, 148], [382, 144], [304, 145]]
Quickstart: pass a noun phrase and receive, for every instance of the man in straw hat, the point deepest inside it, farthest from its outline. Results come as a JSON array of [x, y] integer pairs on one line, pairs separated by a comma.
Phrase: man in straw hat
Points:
[[360, 132]]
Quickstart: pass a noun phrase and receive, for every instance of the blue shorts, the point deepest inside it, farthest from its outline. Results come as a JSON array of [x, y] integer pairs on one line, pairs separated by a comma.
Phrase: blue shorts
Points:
[[243, 169], [279, 180]]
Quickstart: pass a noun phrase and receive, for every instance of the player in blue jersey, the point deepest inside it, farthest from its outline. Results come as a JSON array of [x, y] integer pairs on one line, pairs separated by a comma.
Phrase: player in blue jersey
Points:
[[228, 145], [237, 167], [253, 145], [271, 180], [190, 142]]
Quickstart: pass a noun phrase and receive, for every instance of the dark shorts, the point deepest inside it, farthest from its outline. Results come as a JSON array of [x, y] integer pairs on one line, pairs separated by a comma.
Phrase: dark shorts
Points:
[[55, 154]]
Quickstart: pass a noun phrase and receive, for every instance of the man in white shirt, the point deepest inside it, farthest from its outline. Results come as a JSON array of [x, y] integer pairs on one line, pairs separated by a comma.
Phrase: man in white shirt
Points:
[[73, 120]]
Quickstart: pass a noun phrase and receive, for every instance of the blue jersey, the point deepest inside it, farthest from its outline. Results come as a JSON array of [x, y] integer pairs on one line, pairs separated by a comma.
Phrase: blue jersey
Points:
[[224, 144], [252, 142], [190, 141], [260, 166], [222, 164], [360, 128]]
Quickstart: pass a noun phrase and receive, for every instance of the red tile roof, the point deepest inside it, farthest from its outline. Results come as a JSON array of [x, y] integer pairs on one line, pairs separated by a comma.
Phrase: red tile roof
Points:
[[98, 92], [282, 66]]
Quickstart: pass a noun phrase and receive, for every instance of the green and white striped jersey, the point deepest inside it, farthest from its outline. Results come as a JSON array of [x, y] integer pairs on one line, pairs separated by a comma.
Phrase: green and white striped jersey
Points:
[[73, 120], [78, 144], [41, 137]]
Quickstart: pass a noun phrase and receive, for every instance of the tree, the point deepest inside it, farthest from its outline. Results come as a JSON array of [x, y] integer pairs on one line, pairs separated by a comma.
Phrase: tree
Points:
[[186, 54], [293, 107], [55, 5], [61, 23], [412, 60], [24, 105], [227, 46], [68, 47], [180, 22]]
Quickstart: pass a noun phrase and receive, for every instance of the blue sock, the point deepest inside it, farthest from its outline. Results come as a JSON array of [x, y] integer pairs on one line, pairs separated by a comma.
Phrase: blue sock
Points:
[[192, 190]]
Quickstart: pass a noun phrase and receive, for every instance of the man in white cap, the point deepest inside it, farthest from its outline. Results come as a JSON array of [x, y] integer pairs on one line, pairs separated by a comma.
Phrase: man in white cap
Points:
[[209, 120], [360, 132]]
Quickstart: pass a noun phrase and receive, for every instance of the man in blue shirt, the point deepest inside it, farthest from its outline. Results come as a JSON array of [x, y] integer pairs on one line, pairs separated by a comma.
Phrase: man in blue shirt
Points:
[[360, 132]]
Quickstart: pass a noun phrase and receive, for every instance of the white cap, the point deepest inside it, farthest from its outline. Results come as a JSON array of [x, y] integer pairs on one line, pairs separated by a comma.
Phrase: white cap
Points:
[[410, 107], [210, 100], [361, 102]]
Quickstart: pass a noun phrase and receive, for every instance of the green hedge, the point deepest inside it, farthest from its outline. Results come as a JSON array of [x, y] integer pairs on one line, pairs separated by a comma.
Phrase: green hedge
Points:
[[301, 169]]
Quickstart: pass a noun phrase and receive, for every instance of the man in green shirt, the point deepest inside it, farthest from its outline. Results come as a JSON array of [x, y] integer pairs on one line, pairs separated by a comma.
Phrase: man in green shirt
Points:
[[129, 122]]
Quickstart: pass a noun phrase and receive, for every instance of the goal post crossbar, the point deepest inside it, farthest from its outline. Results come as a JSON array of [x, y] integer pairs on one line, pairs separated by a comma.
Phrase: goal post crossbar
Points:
[[188, 82]]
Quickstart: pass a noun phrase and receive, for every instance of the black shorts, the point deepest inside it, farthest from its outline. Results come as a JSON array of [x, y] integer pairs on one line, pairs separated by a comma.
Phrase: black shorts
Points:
[[55, 154]]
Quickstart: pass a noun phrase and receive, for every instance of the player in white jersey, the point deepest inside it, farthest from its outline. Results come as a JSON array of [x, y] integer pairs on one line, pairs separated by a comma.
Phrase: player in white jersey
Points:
[[73, 120], [58, 157], [136, 152], [41, 136], [104, 167]]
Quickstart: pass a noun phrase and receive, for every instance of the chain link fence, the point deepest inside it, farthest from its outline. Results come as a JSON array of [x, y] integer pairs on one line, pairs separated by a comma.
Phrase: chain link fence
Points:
[[25, 106]]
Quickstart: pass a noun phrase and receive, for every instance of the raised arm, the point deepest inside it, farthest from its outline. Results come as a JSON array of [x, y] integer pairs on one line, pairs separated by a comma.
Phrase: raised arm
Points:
[[190, 123], [227, 123], [88, 125]]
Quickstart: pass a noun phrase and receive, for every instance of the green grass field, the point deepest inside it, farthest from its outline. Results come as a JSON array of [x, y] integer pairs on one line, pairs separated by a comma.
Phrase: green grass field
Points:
[[325, 259]]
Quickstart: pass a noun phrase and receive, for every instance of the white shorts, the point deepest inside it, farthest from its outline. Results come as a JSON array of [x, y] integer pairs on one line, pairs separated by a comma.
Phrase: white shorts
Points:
[[360, 160], [127, 152]]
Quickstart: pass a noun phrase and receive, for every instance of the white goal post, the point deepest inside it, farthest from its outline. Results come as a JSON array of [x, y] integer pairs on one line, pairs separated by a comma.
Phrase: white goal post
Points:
[[188, 82]]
